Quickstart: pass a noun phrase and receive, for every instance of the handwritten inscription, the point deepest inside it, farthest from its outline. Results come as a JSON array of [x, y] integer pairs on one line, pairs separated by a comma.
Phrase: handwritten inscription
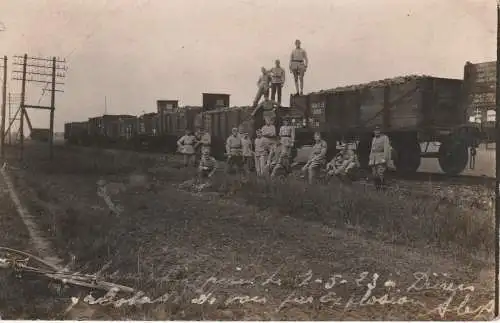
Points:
[[334, 291]]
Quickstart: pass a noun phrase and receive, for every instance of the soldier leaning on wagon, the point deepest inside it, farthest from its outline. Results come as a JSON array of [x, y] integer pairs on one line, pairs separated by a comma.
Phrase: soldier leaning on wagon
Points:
[[186, 145], [234, 151], [268, 132], [316, 159], [262, 86], [260, 153], [287, 135], [380, 154]]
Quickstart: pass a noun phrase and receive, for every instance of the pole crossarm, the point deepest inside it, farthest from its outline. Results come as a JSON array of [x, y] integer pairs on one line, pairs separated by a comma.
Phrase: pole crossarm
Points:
[[60, 75], [29, 106], [48, 59], [58, 67], [38, 81]]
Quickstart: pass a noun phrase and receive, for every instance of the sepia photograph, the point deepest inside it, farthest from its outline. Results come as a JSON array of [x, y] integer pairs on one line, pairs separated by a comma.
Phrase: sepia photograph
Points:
[[249, 160]]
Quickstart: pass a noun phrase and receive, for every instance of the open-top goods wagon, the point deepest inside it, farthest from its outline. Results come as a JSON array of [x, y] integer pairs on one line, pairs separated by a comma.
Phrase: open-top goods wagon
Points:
[[410, 110]]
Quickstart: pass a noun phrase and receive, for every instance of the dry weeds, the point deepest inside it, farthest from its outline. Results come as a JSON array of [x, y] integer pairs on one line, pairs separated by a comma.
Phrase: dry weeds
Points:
[[171, 241]]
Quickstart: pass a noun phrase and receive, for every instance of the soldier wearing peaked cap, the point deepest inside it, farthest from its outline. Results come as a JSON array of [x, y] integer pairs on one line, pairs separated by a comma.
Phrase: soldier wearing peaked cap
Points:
[[380, 154]]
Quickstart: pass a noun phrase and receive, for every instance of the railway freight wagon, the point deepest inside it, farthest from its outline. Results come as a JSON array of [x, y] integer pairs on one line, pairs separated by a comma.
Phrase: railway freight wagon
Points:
[[105, 130], [147, 137], [127, 131], [76, 133], [410, 110], [40, 134]]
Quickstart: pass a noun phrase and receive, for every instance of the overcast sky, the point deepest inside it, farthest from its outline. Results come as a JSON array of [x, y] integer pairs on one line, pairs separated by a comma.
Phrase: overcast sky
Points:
[[137, 51]]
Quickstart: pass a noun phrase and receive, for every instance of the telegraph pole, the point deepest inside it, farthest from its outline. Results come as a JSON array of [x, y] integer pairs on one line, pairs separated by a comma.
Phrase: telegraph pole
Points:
[[10, 116], [497, 162], [45, 67], [52, 107], [4, 99], [23, 94]]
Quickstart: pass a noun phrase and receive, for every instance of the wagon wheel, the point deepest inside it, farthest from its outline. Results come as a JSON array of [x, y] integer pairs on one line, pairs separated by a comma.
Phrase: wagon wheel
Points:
[[407, 157], [453, 156]]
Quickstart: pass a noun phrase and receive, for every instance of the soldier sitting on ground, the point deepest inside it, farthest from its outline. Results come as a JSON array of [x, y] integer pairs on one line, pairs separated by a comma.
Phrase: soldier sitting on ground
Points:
[[343, 163], [207, 166], [278, 159]]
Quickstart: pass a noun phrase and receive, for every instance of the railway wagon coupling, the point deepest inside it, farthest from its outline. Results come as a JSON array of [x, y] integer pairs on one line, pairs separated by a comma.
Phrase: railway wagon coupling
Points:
[[412, 110]]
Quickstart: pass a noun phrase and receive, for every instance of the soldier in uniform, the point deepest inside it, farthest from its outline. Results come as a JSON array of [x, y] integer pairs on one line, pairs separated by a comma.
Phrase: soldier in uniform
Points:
[[316, 159], [247, 152], [260, 153], [186, 145], [298, 66], [287, 135], [262, 86], [204, 140], [234, 151], [277, 80], [278, 158], [343, 162], [380, 154], [207, 165]]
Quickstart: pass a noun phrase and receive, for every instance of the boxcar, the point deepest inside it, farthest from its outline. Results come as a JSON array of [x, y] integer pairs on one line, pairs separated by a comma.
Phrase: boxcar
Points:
[[410, 110], [40, 134], [76, 133], [105, 130]]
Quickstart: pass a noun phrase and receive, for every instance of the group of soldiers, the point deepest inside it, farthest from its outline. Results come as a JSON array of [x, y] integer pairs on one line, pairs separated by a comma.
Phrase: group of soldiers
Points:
[[271, 151], [274, 78]]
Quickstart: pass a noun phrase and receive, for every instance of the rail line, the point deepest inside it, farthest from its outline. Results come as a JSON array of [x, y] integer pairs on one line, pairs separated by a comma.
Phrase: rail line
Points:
[[427, 177]]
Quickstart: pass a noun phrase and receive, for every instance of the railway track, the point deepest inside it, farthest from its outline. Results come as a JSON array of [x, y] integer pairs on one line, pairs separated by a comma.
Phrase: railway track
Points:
[[443, 178], [393, 176]]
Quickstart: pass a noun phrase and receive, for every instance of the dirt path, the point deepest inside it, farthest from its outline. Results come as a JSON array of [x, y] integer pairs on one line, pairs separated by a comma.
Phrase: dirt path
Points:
[[41, 245]]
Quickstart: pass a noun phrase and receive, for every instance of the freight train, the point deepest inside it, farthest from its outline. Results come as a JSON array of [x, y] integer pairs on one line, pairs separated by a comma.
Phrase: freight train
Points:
[[411, 110]]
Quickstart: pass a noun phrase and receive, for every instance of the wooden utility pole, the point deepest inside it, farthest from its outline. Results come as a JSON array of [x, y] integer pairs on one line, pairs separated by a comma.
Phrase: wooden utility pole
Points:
[[23, 94], [52, 107], [497, 159], [10, 116], [4, 99], [45, 67]]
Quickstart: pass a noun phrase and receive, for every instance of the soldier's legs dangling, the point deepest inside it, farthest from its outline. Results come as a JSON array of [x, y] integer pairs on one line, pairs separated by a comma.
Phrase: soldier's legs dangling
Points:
[[259, 94]]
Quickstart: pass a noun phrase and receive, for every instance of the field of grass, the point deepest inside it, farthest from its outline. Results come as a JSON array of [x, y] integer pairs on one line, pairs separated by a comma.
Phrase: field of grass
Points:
[[169, 239]]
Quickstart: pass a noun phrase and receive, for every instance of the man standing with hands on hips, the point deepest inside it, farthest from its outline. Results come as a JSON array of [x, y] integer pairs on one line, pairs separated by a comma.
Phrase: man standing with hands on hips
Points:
[[298, 66]]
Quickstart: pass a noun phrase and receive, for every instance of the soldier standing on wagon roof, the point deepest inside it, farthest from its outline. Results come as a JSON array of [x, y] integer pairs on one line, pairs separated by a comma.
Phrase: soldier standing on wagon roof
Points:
[[277, 81], [262, 86], [298, 66], [379, 157]]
